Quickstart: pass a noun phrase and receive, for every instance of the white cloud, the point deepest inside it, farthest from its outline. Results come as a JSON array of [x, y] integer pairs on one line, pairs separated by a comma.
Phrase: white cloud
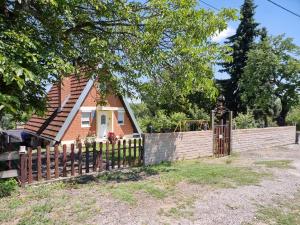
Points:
[[229, 31]]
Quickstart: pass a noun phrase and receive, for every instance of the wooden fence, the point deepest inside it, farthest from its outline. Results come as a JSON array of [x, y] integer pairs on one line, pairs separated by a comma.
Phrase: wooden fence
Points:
[[65, 161]]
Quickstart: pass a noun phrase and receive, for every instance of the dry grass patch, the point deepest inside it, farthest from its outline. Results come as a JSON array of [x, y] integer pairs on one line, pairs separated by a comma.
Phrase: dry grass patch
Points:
[[282, 164], [286, 212]]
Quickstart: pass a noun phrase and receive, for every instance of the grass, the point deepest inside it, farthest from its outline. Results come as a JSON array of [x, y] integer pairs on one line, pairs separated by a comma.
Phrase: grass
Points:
[[48, 204], [168, 175], [282, 164], [80, 201], [183, 209], [285, 213]]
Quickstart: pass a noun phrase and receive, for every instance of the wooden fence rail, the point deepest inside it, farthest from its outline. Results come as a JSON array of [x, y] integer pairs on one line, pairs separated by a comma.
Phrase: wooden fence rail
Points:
[[63, 161]]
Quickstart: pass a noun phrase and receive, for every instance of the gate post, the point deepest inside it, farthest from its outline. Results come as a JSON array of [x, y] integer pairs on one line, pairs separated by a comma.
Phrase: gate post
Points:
[[230, 132]]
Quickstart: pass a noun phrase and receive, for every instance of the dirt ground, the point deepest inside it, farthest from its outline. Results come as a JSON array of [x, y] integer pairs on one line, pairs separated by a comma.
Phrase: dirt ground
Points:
[[207, 205], [274, 198]]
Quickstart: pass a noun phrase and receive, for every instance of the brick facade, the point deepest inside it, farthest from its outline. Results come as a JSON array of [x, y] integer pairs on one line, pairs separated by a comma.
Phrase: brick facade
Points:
[[160, 147], [76, 130]]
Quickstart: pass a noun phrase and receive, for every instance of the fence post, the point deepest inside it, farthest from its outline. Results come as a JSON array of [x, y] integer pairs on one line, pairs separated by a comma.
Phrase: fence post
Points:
[[48, 163], [56, 162], [39, 163], [23, 158], [30, 178], [64, 160]]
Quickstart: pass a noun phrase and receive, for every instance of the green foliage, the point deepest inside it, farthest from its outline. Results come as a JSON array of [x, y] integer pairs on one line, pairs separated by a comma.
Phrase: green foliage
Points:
[[241, 43], [196, 113], [273, 71], [293, 116], [6, 122], [166, 43], [245, 121], [7, 187], [162, 122]]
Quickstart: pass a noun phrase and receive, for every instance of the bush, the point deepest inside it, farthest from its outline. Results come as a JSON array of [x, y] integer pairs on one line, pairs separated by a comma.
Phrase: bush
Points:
[[294, 117], [161, 122], [244, 121], [7, 186]]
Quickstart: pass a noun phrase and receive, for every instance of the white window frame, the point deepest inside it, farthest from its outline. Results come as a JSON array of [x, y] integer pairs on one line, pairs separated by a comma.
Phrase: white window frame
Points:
[[123, 113], [84, 119]]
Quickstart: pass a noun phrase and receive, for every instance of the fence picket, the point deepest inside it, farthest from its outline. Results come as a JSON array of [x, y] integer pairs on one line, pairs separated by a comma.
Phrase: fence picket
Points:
[[119, 153], [87, 158], [100, 156], [56, 162], [72, 160], [48, 162], [124, 153], [30, 166], [79, 158], [107, 155], [129, 153], [94, 157], [113, 155], [51, 164], [39, 163], [64, 160], [134, 151]]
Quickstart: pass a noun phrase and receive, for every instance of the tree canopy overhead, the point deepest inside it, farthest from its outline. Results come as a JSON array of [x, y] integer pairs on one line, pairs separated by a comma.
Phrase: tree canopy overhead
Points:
[[40, 41]]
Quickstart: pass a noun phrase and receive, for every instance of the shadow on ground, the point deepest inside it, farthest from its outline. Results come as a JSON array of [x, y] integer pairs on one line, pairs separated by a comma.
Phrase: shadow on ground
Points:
[[124, 175]]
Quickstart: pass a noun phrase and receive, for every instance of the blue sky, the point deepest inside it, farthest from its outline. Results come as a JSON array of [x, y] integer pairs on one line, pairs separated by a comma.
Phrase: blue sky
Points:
[[276, 20]]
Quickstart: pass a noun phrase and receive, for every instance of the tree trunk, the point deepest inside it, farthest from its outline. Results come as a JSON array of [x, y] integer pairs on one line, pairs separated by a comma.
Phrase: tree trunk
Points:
[[281, 119], [266, 124]]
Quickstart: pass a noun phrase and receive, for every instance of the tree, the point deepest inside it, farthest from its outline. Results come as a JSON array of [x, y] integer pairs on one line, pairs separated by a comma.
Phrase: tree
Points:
[[241, 43], [293, 116], [272, 73], [120, 43]]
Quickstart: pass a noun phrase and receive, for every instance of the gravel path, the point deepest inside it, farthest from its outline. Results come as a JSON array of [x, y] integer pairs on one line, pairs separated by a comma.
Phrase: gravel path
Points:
[[220, 206]]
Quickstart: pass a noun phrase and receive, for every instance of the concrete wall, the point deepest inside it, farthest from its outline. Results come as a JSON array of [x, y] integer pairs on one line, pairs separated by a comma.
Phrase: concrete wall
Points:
[[260, 138], [175, 146], [190, 145]]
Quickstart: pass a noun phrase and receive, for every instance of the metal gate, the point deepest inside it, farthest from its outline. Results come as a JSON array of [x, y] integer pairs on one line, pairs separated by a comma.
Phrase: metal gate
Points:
[[221, 127], [221, 139]]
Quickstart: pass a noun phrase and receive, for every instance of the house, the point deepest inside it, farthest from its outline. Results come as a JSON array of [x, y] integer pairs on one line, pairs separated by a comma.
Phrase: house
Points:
[[73, 113]]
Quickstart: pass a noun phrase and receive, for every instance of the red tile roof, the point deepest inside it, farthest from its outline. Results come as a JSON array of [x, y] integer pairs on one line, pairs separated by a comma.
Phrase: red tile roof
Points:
[[49, 125]]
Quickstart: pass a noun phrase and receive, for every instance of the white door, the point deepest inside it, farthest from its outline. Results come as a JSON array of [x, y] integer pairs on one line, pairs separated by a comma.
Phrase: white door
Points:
[[103, 123]]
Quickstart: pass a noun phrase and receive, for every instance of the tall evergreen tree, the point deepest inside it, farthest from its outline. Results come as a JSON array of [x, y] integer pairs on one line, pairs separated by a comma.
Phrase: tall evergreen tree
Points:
[[240, 43]]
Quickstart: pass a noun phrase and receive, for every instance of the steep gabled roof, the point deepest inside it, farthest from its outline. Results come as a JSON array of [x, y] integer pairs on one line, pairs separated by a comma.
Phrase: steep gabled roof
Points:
[[55, 117], [57, 120]]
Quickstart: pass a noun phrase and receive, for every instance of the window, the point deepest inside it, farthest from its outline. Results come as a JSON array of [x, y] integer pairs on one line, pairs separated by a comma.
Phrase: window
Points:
[[103, 119], [85, 119], [121, 117]]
